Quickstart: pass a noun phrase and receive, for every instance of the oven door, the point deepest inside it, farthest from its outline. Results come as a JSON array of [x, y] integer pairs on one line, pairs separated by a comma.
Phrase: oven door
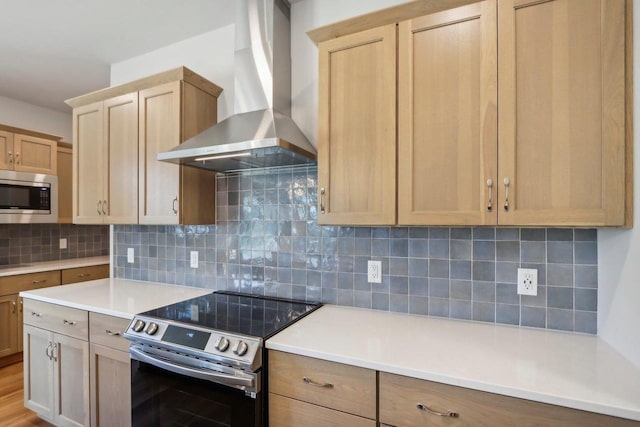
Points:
[[166, 394]]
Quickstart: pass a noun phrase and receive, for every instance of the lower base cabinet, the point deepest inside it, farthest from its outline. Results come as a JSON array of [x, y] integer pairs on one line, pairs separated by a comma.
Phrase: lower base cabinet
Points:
[[410, 402], [110, 368], [56, 381]]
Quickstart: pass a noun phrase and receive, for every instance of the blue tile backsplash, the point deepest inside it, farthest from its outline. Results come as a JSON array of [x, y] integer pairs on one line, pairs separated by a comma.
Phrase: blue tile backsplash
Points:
[[268, 242]]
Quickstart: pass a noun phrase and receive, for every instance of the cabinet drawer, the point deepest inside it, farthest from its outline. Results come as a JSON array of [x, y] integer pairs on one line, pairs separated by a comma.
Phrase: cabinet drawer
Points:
[[82, 274], [399, 397], [107, 331], [352, 389], [57, 318], [285, 412], [26, 282]]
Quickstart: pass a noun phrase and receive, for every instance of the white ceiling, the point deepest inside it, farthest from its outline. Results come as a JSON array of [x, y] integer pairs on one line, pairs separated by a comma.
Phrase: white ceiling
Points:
[[52, 50]]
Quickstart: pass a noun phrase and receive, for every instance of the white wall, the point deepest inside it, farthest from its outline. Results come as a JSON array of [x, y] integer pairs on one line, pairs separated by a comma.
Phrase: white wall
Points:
[[619, 254], [307, 15], [209, 54], [28, 116]]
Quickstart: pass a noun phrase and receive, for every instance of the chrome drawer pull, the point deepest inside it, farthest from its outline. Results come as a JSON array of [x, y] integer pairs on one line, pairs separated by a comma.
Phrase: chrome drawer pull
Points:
[[84, 275], [34, 314], [54, 352], [112, 334], [315, 384], [35, 282], [322, 209], [425, 408], [49, 350], [70, 323], [490, 187], [506, 193]]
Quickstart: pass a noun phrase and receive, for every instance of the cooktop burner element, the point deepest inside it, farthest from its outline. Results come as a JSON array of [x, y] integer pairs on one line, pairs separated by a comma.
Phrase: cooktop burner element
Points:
[[221, 328]]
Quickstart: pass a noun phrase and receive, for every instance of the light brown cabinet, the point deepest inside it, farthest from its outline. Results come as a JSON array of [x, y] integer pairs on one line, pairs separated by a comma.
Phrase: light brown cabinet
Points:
[[308, 390], [562, 93], [559, 154], [110, 369], [447, 117], [9, 329], [357, 128], [105, 161], [411, 402], [83, 274], [56, 356], [128, 125], [65, 183], [26, 151]]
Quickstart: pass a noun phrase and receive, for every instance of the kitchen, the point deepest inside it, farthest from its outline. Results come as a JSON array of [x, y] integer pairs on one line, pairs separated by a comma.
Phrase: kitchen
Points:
[[267, 239]]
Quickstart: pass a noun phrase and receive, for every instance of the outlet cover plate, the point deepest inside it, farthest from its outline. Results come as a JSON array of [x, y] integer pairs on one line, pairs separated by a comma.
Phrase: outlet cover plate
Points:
[[527, 281], [374, 271], [193, 259], [130, 254]]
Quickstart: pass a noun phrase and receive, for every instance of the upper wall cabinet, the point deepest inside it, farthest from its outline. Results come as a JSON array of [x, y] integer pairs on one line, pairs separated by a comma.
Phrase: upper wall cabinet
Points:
[[512, 112], [118, 134], [447, 117], [562, 112], [25, 151], [357, 128]]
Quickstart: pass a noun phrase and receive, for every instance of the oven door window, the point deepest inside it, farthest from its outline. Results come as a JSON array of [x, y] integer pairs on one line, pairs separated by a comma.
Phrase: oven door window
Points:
[[163, 399]]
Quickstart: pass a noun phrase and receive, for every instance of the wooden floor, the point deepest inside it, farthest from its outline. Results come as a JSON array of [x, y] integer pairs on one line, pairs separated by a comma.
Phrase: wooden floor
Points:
[[12, 410]]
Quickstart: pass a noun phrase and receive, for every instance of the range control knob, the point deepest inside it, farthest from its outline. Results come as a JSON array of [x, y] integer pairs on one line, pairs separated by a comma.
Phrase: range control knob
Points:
[[222, 344], [240, 348], [152, 328], [138, 325]]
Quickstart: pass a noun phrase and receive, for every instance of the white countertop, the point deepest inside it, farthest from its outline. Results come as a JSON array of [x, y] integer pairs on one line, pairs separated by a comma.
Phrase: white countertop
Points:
[[38, 267], [115, 297], [567, 369]]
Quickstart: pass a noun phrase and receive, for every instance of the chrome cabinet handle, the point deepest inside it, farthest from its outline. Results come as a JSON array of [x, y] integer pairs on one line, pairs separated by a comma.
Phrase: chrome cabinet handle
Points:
[[10, 154], [21, 305], [13, 307], [81, 275], [322, 191], [490, 203], [54, 352], [34, 314], [104, 206], [35, 282], [48, 351], [315, 384], [506, 193], [70, 323], [425, 408], [99, 207], [112, 334], [17, 158], [174, 206]]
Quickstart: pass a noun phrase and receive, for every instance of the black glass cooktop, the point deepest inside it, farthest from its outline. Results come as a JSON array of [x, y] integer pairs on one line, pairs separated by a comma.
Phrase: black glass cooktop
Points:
[[236, 313]]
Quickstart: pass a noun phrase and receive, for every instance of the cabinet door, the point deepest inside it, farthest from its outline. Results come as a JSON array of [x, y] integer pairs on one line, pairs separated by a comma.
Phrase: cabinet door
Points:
[[447, 117], [38, 372], [121, 149], [65, 185], [88, 164], [159, 182], [110, 387], [36, 155], [8, 325], [71, 381], [357, 128], [562, 112], [6, 150]]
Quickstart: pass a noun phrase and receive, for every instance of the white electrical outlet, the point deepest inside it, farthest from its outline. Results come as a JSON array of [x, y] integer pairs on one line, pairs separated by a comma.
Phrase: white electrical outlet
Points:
[[374, 271], [130, 254], [527, 281], [194, 259], [63, 243]]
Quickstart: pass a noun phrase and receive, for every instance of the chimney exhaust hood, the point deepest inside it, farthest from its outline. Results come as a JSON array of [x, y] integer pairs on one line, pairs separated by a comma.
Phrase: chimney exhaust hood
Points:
[[261, 134]]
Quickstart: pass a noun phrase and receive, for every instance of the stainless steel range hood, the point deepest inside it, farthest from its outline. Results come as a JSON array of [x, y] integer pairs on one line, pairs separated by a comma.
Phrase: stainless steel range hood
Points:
[[261, 133]]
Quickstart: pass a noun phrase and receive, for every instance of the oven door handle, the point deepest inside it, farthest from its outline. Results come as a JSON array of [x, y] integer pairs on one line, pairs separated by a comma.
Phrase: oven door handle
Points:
[[208, 375]]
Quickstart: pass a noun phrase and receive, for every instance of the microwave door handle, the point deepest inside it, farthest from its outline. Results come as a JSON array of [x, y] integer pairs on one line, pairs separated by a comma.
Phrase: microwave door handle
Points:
[[219, 378]]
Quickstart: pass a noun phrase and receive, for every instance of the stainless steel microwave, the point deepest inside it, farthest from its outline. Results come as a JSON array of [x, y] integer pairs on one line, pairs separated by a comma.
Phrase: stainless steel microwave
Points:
[[28, 198]]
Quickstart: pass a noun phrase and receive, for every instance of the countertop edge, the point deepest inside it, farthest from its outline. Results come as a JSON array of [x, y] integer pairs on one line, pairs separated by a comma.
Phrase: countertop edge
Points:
[[62, 264], [86, 307]]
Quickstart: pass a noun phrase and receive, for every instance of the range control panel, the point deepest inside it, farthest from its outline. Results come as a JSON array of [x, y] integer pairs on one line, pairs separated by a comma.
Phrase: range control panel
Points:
[[226, 348]]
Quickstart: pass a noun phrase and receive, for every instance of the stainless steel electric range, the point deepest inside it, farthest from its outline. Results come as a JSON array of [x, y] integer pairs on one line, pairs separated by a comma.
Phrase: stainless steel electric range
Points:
[[201, 362]]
